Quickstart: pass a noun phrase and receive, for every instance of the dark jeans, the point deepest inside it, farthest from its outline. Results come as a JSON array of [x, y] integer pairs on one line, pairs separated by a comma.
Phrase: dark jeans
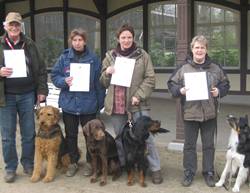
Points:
[[23, 106], [191, 132], [71, 123]]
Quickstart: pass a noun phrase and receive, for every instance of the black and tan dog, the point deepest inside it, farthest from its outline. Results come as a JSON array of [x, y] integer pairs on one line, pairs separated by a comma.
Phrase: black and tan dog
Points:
[[134, 138], [49, 144], [102, 148]]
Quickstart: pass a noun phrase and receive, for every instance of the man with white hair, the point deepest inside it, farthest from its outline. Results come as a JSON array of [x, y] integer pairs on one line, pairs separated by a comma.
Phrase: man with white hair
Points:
[[18, 94]]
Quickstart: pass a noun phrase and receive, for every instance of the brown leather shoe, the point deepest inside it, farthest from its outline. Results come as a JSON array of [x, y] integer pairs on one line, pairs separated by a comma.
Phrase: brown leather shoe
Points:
[[156, 177]]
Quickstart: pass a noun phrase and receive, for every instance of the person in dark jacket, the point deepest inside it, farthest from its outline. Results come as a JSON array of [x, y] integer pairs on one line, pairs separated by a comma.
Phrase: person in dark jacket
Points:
[[18, 95], [199, 115], [77, 106]]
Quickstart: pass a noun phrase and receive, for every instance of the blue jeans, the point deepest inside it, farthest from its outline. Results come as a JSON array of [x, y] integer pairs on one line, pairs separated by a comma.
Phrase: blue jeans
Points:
[[21, 105]]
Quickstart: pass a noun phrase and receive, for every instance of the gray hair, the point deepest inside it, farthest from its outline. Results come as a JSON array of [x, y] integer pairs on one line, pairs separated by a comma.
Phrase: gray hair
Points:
[[201, 39]]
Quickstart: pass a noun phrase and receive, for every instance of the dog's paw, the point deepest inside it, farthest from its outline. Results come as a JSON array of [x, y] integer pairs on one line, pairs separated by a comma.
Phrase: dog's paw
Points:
[[34, 178], [236, 189], [103, 183], [116, 176], [47, 179], [143, 184], [219, 184], [130, 183], [93, 179]]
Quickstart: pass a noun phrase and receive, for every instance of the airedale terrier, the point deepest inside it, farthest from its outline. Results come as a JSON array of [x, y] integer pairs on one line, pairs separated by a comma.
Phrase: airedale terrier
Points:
[[49, 144]]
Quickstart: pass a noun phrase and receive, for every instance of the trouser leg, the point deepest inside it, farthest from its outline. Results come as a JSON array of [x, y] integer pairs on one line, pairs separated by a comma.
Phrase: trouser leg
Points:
[[84, 119], [71, 123], [25, 106], [208, 149], [8, 115], [118, 122], [191, 131]]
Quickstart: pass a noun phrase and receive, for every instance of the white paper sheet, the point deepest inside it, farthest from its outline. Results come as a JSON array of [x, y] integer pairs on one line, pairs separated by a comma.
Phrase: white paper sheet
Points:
[[15, 59], [196, 83], [124, 68], [81, 76]]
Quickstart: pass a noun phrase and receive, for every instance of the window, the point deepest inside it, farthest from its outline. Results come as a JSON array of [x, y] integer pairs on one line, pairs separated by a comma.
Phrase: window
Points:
[[133, 17], [91, 25], [49, 36], [248, 50], [162, 34], [26, 29], [221, 26]]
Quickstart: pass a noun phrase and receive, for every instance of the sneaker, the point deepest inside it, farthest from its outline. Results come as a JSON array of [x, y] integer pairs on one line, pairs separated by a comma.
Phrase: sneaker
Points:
[[156, 177], [72, 169], [87, 169], [187, 178], [10, 176], [209, 179], [28, 171]]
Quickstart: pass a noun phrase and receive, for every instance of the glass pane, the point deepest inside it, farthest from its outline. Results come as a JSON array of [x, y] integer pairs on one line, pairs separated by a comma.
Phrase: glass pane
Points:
[[162, 34], [49, 37], [203, 14], [133, 17], [217, 15], [91, 25], [217, 54], [27, 30], [232, 56], [248, 51], [231, 36], [217, 36], [231, 16], [222, 31], [201, 30]]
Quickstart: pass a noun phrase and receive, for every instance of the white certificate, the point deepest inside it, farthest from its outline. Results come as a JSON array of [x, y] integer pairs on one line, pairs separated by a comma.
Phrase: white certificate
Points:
[[81, 76], [124, 68], [196, 85], [15, 59]]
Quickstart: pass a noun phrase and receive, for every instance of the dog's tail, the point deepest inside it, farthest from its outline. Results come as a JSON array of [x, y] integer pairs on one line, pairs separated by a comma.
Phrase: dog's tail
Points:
[[160, 130]]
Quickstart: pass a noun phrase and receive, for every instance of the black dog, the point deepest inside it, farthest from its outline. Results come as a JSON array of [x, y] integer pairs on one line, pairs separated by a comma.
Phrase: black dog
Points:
[[244, 140], [133, 138]]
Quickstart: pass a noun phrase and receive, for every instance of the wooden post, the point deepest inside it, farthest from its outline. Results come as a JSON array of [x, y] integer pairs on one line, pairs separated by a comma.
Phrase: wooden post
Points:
[[182, 47]]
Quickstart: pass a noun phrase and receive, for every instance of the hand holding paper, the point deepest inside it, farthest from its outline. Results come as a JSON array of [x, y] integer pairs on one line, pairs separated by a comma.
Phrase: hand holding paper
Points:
[[5, 71]]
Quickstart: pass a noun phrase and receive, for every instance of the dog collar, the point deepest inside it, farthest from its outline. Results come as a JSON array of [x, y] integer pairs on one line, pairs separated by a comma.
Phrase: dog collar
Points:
[[49, 134]]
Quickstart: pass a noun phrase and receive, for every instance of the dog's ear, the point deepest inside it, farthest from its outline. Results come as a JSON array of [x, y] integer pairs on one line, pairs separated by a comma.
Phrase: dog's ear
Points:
[[57, 114], [38, 112], [86, 129], [103, 126]]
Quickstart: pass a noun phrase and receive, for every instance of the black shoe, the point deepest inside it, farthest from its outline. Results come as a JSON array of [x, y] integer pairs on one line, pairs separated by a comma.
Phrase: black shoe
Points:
[[10, 176], [28, 171], [157, 177], [209, 179], [187, 178]]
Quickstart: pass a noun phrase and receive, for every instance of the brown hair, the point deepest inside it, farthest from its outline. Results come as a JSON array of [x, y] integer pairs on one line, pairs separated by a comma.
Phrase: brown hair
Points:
[[75, 32], [125, 27]]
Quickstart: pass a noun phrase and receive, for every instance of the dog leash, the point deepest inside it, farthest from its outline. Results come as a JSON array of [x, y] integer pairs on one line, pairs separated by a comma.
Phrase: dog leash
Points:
[[218, 106]]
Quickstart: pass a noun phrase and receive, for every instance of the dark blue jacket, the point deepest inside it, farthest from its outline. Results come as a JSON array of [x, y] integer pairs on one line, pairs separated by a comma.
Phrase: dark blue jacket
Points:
[[78, 103]]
